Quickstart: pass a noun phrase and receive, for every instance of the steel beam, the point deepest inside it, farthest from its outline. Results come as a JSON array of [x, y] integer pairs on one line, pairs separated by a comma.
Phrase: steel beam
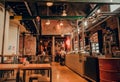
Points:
[[47, 17], [82, 1], [94, 10]]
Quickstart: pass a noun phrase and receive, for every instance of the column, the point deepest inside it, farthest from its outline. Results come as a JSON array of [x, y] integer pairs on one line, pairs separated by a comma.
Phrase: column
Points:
[[118, 22], [53, 47], [83, 37]]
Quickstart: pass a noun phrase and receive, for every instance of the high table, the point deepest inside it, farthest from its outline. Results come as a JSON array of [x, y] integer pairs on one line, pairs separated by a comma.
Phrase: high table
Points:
[[8, 67], [35, 67], [12, 67]]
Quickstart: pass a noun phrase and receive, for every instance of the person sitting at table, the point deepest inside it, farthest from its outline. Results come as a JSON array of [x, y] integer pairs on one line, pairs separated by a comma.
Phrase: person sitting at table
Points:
[[41, 57], [26, 62], [9, 60]]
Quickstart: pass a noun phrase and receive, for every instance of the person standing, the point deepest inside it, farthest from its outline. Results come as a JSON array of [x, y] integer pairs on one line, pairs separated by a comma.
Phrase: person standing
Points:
[[41, 57], [62, 56]]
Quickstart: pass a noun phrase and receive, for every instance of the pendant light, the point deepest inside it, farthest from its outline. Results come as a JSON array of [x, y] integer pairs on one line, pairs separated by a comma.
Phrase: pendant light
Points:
[[47, 22], [48, 5], [64, 10], [61, 23], [64, 13]]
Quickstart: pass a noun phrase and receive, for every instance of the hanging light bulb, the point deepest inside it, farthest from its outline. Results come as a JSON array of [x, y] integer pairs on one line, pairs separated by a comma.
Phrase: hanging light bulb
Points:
[[85, 23], [61, 23], [64, 13], [62, 35], [98, 11], [49, 4], [64, 10], [47, 22]]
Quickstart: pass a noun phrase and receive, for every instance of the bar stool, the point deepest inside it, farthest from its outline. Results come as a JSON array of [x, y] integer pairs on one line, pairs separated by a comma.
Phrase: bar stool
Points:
[[39, 77]]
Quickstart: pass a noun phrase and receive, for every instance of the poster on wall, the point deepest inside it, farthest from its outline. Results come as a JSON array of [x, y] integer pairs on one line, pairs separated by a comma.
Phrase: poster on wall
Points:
[[12, 49]]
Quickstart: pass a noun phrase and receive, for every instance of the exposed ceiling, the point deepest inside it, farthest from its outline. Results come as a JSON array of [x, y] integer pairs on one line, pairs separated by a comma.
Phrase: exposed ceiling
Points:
[[38, 8], [30, 9]]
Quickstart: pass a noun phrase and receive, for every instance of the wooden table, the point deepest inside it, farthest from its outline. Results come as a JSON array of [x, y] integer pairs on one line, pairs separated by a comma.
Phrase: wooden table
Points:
[[36, 67], [10, 67]]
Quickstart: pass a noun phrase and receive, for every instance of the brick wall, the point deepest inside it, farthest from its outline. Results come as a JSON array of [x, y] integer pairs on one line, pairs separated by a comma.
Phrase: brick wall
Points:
[[29, 45]]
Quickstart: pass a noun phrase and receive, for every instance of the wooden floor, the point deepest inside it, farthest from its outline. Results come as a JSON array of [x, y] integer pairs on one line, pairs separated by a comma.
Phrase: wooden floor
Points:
[[61, 74], [64, 74]]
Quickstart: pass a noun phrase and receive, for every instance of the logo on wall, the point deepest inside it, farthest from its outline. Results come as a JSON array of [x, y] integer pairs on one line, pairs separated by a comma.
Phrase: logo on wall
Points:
[[11, 48]]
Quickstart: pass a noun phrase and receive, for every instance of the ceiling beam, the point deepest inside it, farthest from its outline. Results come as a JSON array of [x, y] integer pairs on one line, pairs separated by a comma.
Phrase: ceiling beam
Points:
[[47, 17], [93, 26], [82, 1], [94, 10], [26, 4]]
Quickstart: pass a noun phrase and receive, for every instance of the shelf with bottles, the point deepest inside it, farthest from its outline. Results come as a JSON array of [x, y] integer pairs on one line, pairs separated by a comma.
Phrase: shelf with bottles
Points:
[[95, 47], [82, 44]]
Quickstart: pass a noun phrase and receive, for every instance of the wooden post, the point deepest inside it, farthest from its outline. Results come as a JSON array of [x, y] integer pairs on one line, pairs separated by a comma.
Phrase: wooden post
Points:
[[2, 58], [118, 22], [53, 47]]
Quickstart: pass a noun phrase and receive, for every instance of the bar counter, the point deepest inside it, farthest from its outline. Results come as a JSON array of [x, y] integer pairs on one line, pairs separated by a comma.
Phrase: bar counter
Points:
[[84, 65], [109, 69], [75, 62], [95, 68]]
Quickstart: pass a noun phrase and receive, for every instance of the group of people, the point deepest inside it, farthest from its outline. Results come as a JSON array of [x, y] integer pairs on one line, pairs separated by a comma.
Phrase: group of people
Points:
[[60, 56], [41, 56]]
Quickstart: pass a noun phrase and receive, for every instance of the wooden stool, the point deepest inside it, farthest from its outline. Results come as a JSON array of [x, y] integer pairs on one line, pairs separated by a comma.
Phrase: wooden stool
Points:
[[39, 77], [44, 79]]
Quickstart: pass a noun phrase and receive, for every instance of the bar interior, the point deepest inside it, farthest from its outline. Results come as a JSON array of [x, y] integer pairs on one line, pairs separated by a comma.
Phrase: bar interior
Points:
[[82, 35]]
